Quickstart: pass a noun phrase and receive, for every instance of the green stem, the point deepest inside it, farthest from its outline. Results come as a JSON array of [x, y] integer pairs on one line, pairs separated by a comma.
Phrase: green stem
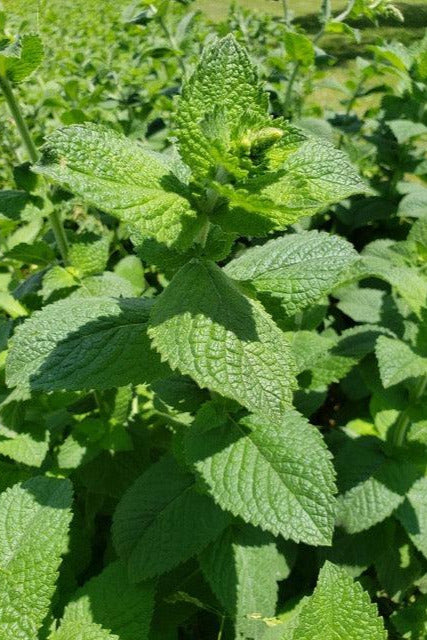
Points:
[[54, 218], [18, 117], [403, 422], [59, 233], [286, 13]]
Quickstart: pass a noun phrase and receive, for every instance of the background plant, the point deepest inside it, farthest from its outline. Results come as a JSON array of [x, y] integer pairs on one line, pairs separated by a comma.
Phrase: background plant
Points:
[[213, 401]]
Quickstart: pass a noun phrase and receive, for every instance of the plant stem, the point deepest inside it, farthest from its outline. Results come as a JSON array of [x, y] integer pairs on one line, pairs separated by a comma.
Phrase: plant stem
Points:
[[59, 233], [403, 421], [172, 42], [18, 117], [286, 13], [54, 218]]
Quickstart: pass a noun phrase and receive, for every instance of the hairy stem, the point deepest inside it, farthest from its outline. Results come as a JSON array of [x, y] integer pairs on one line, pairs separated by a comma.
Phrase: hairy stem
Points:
[[14, 108], [18, 118]]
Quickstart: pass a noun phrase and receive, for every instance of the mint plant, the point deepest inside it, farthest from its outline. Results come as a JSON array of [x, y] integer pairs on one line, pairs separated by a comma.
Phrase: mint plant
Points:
[[235, 396]]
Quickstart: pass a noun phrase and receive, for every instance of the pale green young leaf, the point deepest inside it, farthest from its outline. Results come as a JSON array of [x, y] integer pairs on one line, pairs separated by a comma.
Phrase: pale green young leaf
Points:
[[112, 601], [222, 90], [34, 521], [162, 521], [21, 58], [99, 344], [338, 609], [299, 48], [413, 515], [88, 253], [297, 268], [397, 361], [275, 475], [123, 178], [243, 567], [205, 327]]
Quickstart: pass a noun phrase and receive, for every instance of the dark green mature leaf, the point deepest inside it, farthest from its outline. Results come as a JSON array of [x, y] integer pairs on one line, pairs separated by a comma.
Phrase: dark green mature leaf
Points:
[[297, 268], [162, 521], [275, 475], [34, 520], [372, 484], [413, 515], [243, 567], [204, 326], [111, 601], [97, 343], [121, 177], [411, 621], [338, 608]]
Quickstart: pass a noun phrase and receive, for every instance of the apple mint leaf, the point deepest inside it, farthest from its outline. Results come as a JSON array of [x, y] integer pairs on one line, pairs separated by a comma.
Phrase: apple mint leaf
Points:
[[205, 327], [72, 344], [301, 182], [162, 521], [123, 178], [71, 629], [19, 59], [371, 483], [275, 475], [397, 361], [222, 91], [34, 521], [297, 268], [411, 620], [27, 445], [413, 515], [243, 567], [111, 600], [338, 608]]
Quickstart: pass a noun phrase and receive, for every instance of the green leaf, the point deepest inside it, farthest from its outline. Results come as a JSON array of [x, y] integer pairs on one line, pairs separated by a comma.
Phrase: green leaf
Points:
[[338, 608], [99, 344], [223, 89], [35, 253], [162, 521], [21, 58], [397, 361], [123, 178], [414, 204], [299, 48], [372, 484], [275, 475], [34, 520], [297, 268], [71, 629], [304, 180], [405, 130], [397, 563], [204, 326], [243, 567], [111, 601], [413, 515], [28, 446], [411, 621], [89, 253]]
